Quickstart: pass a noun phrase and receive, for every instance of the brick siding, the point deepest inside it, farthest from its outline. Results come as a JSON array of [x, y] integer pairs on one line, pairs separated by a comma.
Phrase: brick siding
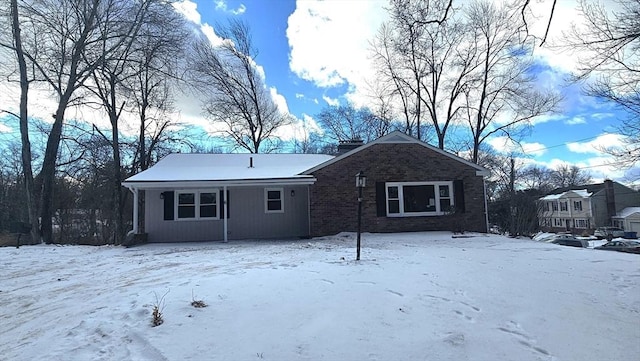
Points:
[[333, 198]]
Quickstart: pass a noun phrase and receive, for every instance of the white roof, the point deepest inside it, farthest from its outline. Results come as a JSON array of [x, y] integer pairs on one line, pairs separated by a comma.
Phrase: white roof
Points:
[[580, 192], [227, 168], [627, 212]]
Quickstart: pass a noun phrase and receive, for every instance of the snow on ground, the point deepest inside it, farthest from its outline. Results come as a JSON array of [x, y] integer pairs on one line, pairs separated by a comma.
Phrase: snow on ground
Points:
[[414, 296]]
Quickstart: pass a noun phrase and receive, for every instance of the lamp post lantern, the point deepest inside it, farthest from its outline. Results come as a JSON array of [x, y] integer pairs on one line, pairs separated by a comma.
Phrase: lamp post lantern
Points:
[[361, 182]]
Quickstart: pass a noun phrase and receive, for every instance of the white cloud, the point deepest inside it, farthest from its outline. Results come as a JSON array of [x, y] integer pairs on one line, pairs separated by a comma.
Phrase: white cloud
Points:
[[329, 40], [299, 96], [506, 146], [208, 31], [280, 100], [298, 129], [222, 5], [575, 120], [596, 146], [331, 101], [189, 10]]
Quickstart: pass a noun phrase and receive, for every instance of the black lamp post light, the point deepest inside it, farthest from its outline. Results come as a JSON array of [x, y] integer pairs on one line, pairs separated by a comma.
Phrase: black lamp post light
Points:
[[361, 182]]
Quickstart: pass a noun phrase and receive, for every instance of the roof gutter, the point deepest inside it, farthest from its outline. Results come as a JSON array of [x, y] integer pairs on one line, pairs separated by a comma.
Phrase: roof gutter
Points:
[[217, 183]]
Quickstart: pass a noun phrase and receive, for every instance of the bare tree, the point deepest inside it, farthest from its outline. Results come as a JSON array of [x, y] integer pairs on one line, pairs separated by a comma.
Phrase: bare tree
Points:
[[400, 73], [160, 43], [436, 54], [345, 122], [120, 29], [569, 176], [536, 177], [64, 44], [502, 97], [227, 75], [610, 66], [23, 116]]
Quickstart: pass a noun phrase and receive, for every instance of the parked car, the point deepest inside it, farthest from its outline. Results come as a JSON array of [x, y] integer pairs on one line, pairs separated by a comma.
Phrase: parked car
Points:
[[570, 241], [606, 232], [622, 246], [554, 237]]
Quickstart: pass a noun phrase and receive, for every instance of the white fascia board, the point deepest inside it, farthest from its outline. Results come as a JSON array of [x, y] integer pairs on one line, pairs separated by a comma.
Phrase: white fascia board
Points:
[[209, 184]]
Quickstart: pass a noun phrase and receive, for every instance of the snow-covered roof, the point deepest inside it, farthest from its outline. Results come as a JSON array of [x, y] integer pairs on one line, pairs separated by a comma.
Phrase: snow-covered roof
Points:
[[227, 168], [580, 192], [627, 212]]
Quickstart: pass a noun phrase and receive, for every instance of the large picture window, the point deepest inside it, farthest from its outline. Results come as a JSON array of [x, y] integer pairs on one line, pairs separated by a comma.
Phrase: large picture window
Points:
[[197, 204], [419, 198]]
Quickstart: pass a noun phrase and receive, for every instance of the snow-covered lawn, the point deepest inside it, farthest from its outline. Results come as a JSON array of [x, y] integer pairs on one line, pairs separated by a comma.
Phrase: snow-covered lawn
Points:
[[415, 296]]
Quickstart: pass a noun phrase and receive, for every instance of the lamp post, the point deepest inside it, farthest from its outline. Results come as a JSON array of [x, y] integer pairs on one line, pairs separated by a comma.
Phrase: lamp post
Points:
[[361, 182]]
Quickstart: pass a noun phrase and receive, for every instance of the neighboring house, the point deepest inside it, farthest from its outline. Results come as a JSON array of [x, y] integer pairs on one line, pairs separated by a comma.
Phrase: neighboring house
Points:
[[586, 207], [628, 219], [411, 186]]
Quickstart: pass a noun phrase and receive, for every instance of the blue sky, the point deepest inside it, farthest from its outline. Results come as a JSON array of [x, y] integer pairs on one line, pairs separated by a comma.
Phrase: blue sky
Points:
[[316, 53]]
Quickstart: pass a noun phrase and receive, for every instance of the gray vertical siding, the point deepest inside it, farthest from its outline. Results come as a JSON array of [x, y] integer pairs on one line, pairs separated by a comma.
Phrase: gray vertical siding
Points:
[[247, 218]]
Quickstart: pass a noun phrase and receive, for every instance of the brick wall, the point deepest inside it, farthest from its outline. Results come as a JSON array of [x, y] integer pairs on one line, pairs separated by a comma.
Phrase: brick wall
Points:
[[333, 198]]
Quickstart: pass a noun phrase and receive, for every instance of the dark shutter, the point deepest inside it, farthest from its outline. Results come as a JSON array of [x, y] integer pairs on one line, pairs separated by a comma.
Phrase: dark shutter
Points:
[[381, 199], [222, 199], [168, 205], [458, 195]]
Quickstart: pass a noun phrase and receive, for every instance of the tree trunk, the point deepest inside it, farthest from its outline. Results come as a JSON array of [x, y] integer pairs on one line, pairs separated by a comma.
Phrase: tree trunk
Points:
[[32, 204], [48, 172]]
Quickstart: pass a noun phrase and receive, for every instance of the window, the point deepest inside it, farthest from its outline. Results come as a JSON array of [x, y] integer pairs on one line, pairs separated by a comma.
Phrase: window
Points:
[[581, 223], [577, 205], [555, 206], [197, 204], [273, 200], [546, 206], [563, 206], [419, 198]]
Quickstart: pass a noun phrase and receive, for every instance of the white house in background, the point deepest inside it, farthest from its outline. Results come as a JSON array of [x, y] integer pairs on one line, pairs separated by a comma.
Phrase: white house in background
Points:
[[628, 219], [584, 208], [567, 210]]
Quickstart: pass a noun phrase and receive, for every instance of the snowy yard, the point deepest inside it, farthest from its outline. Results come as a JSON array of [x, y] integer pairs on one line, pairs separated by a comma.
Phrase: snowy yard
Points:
[[416, 296]]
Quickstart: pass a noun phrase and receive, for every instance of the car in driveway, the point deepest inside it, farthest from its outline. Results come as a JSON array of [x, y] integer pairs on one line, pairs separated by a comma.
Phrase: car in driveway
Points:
[[621, 246], [606, 232], [570, 241]]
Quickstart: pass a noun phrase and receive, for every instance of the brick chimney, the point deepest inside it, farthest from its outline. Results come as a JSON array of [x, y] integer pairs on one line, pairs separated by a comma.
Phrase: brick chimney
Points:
[[610, 197], [349, 145]]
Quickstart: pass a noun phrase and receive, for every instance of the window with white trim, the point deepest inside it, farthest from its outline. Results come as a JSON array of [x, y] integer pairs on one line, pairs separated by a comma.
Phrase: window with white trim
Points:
[[197, 204], [580, 223], [408, 199], [273, 200], [563, 206], [577, 205]]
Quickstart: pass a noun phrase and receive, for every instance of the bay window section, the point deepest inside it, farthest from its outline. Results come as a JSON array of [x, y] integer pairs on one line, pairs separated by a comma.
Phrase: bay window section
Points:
[[409, 199]]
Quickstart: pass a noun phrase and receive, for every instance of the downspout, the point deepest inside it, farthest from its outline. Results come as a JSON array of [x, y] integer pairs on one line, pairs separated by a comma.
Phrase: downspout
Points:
[[309, 211], [135, 210], [486, 209], [226, 213]]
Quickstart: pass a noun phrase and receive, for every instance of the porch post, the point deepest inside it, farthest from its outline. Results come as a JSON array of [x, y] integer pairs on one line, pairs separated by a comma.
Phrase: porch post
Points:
[[135, 210], [226, 212]]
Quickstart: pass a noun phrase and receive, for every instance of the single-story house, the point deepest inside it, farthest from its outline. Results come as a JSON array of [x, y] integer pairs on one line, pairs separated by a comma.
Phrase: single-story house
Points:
[[585, 207], [411, 186]]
